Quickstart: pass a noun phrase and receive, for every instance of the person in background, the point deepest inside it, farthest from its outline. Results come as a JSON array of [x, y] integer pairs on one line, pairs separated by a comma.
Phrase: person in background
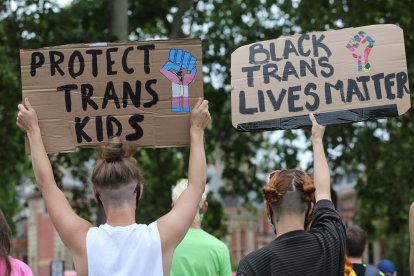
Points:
[[387, 267], [356, 239], [289, 201], [9, 266], [411, 232], [199, 253], [120, 247]]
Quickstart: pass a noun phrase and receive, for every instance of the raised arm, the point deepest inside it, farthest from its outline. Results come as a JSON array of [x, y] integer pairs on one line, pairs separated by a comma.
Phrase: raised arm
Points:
[[174, 225], [69, 225], [321, 175]]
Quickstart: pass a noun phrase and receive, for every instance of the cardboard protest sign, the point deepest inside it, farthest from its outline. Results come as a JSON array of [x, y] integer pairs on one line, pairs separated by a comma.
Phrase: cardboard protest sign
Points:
[[86, 93], [348, 75]]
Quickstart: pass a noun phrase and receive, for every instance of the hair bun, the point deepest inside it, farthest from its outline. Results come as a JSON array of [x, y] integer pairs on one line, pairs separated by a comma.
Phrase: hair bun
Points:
[[116, 150], [113, 151], [308, 189]]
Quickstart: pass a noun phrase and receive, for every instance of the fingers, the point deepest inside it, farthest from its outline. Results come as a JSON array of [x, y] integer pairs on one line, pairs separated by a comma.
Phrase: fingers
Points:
[[19, 124], [313, 119], [198, 103], [27, 104], [21, 108]]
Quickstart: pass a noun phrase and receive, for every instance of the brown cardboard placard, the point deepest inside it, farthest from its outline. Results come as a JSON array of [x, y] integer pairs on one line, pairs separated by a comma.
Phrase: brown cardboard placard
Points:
[[142, 91], [348, 75]]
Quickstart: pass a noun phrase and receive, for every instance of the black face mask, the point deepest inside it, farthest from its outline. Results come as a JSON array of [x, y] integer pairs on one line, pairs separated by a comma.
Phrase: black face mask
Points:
[[270, 217], [137, 192]]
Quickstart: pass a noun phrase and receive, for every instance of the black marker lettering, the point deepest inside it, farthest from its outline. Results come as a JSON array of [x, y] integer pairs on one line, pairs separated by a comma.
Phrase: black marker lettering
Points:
[[99, 128], [80, 133], [300, 45], [94, 53], [146, 49], [324, 63], [364, 80], [328, 93], [352, 90], [152, 92], [128, 93], [133, 122], [272, 50], [87, 92], [289, 70], [261, 101], [67, 88], [389, 83], [125, 60], [303, 65], [110, 62], [71, 65], [38, 59], [308, 92], [54, 63], [317, 43], [402, 80], [242, 105], [276, 103], [292, 97], [110, 120], [255, 50], [110, 95], [377, 85], [270, 70], [289, 48], [250, 70]]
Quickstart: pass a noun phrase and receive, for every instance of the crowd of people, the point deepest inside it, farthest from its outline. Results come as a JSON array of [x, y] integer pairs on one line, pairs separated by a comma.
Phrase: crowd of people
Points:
[[309, 235]]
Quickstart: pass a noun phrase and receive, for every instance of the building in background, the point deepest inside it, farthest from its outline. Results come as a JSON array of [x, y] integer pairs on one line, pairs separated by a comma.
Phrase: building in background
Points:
[[44, 244]]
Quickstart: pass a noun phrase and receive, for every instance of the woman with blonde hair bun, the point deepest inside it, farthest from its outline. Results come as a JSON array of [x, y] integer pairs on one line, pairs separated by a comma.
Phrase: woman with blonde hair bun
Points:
[[310, 235], [120, 246]]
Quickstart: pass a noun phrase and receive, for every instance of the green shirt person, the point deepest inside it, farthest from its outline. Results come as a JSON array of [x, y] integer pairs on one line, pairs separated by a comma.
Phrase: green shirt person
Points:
[[199, 253]]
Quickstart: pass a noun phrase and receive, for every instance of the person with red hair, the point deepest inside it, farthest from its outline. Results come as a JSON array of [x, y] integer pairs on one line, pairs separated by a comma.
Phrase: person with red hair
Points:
[[310, 235]]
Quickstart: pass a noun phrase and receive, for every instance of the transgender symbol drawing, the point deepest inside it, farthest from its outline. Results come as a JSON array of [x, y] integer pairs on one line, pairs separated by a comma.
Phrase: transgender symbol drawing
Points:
[[362, 59], [181, 70]]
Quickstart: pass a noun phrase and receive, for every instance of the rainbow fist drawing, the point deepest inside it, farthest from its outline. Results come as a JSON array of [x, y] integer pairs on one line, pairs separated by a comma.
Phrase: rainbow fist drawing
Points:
[[181, 70], [362, 59]]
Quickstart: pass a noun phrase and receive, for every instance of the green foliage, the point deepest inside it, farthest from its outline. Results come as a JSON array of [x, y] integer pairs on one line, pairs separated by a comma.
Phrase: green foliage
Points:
[[385, 147]]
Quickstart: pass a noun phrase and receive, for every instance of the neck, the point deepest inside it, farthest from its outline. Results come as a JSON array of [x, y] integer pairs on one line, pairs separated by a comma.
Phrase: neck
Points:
[[196, 224], [355, 260], [122, 216], [289, 223]]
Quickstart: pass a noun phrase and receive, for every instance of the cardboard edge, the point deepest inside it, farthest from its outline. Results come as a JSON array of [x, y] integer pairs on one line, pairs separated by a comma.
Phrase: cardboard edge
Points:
[[111, 44], [327, 118]]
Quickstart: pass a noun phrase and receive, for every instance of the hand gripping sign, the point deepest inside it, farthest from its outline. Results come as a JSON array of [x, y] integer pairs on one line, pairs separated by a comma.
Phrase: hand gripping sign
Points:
[[180, 69], [342, 76]]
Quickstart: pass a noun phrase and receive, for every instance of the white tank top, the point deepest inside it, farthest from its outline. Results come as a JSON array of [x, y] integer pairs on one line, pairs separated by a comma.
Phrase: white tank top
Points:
[[124, 250]]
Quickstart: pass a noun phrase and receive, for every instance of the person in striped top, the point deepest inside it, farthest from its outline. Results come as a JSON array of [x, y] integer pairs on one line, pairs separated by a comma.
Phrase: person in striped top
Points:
[[310, 236]]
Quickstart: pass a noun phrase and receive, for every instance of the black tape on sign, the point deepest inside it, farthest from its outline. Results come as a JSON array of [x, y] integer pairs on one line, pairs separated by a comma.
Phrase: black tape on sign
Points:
[[328, 118]]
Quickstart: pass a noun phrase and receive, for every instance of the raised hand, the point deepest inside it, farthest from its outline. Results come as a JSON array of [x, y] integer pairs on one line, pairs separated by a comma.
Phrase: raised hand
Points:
[[317, 129], [27, 117], [200, 116]]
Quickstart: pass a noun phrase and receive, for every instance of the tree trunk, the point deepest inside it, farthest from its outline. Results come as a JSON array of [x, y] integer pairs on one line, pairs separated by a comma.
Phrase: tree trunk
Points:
[[119, 19], [177, 24]]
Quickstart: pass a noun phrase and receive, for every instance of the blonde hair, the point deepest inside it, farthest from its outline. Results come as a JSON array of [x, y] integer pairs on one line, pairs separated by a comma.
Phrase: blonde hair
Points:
[[180, 187], [116, 172]]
